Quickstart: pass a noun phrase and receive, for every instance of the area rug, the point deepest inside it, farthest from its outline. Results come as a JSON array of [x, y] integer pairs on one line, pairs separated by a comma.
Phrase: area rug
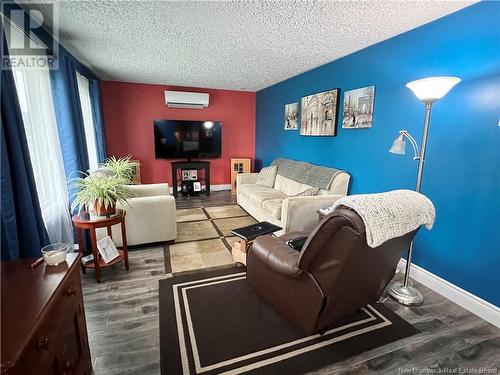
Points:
[[203, 237], [212, 323]]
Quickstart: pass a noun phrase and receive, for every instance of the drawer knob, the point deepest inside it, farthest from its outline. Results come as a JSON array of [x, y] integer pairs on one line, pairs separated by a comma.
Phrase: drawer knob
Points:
[[71, 291], [68, 368], [43, 342]]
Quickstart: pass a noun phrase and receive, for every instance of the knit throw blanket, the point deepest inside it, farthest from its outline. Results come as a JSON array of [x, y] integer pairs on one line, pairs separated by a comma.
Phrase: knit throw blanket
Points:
[[306, 173], [390, 215]]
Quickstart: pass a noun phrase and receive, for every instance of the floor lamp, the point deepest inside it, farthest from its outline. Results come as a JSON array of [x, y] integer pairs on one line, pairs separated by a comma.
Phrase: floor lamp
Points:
[[428, 90]]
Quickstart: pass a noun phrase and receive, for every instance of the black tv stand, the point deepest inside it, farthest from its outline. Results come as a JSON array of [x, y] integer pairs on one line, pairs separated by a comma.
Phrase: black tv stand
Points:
[[190, 164]]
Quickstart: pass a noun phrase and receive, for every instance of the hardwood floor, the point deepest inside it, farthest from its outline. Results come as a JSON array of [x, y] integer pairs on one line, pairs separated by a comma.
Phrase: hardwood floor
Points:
[[123, 328], [450, 338], [122, 315]]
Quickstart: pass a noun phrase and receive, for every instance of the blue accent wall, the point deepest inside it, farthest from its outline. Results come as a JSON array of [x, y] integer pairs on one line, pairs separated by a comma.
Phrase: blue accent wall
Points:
[[462, 171]]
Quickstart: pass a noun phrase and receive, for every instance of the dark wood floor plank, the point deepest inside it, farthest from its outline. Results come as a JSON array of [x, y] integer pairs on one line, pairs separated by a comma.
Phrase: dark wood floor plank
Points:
[[122, 315]]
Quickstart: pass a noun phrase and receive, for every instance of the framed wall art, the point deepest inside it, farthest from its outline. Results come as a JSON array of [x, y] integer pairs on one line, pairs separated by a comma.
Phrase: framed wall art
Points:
[[319, 113], [292, 116], [358, 108]]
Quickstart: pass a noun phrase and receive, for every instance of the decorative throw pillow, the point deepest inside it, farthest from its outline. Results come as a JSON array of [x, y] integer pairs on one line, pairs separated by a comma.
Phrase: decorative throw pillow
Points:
[[308, 192], [267, 176]]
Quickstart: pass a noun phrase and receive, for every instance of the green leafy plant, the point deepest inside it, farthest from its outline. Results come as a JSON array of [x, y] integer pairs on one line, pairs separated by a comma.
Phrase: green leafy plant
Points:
[[100, 192], [122, 167]]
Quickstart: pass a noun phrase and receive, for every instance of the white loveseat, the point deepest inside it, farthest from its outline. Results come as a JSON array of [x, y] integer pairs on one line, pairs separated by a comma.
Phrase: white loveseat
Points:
[[150, 216], [277, 205]]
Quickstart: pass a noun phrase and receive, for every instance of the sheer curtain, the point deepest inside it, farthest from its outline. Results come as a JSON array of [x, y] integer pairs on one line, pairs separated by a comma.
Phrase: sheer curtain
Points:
[[88, 121], [35, 99]]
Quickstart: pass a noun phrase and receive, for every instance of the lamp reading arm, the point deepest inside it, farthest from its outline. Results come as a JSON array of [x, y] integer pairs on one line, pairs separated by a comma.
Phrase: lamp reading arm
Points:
[[405, 133]]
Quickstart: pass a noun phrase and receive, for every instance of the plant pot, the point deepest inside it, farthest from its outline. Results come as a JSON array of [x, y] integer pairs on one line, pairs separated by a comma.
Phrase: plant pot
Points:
[[102, 210]]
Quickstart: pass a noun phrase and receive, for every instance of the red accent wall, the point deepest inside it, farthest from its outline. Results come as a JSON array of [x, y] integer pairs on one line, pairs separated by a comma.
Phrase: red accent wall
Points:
[[129, 110]]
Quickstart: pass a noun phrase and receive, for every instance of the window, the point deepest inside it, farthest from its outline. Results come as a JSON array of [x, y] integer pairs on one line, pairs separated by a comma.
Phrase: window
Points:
[[88, 121], [37, 109]]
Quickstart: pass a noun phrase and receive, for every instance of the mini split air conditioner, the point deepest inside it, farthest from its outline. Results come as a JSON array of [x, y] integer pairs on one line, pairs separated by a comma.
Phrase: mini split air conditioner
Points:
[[180, 99]]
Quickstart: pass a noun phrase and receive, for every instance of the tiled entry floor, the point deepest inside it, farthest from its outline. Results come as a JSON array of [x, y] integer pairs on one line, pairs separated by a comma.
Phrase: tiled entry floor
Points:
[[203, 236]]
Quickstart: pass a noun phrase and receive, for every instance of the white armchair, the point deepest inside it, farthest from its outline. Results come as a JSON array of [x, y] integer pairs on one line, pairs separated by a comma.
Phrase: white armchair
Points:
[[150, 216]]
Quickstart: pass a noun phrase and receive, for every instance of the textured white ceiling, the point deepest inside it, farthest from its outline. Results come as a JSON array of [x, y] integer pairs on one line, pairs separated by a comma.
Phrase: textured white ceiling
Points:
[[238, 45]]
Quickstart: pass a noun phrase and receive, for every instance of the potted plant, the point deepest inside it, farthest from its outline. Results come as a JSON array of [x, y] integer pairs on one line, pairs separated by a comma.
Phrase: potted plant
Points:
[[101, 193], [121, 167]]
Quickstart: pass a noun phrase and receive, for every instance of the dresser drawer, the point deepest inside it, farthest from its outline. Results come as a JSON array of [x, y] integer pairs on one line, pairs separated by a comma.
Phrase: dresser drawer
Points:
[[69, 294], [74, 350], [59, 344], [39, 356]]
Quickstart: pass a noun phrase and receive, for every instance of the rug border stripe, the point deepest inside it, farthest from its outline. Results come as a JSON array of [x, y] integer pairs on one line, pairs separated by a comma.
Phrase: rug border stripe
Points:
[[281, 361], [307, 349], [234, 277], [194, 348], [178, 318]]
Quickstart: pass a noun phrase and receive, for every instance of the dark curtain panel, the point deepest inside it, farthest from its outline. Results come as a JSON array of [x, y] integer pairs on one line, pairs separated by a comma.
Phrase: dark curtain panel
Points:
[[67, 105], [95, 98], [69, 117], [23, 231]]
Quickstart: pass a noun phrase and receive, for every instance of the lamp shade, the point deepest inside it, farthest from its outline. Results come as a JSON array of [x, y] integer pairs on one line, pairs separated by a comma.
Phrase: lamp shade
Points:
[[434, 88], [398, 146]]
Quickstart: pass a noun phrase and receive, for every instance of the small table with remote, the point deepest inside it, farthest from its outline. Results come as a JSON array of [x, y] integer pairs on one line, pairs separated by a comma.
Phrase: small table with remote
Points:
[[247, 235], [92, 224]]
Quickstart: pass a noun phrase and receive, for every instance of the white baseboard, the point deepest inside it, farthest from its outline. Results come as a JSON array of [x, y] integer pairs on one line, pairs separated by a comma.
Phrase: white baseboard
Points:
[[461, 297], [220, 187], [212, 188]]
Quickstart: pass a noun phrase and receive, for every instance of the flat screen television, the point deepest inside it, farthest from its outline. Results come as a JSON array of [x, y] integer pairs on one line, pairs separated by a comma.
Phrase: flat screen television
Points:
[[179, 139]]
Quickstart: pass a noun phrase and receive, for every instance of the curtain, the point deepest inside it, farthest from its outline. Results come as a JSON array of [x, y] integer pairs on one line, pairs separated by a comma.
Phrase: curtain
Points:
[[23, 232], [88, 120], [37, 108], [67, 105], [95, 97], [69, 117]]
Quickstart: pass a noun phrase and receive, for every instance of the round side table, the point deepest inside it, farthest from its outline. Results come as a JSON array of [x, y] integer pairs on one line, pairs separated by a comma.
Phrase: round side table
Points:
[[92, 224]]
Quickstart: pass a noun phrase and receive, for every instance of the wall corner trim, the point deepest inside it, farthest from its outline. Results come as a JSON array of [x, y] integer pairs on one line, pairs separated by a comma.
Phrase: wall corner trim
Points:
[[461, 297]]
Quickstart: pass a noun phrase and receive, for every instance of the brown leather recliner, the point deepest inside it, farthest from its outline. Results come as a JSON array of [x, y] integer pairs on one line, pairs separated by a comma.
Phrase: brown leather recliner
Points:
[[334, 274]]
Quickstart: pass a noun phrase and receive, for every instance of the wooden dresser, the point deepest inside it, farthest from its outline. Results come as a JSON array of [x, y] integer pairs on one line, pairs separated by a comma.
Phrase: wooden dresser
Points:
[[43, 320]]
